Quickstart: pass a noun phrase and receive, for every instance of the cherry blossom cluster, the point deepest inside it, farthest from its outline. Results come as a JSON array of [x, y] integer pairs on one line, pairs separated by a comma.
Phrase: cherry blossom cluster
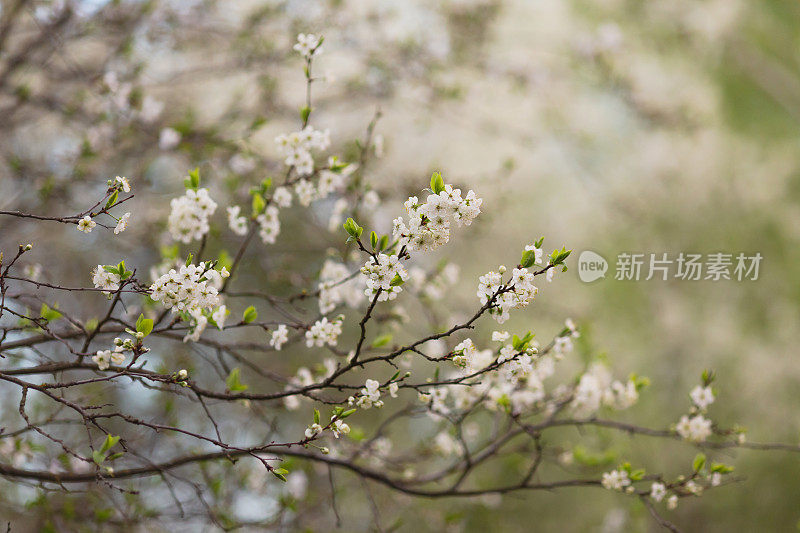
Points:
[[297, 147], [119, 184], [516, 385], [108, 280], [596, 388], [337, 285], [189, 214], [188, 288], [385, 276], [370, 394], [519, 290], [704, 475], [429, 224], [268, 224], [324, 332], [279, 337], [236, 221], [517, 294], [695, 427], [104, 358]]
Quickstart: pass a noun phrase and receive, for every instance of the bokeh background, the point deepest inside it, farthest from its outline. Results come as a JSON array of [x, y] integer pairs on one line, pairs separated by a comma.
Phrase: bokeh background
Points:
[[612, 125]]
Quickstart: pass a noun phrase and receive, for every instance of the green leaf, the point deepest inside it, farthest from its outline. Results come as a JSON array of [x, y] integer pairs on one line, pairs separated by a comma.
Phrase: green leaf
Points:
[[144, 325], [397, 280], [373, 240], [49, 314], [383, 243], [249, 315], [193, 181], [258, 204], [382, 340], [109, 443], [559, 256], [304, 113], [347, 413], [699, 462], [111, 269], [224, 260], [521, 344], [112, 199], [316, 416], [353, 229], [437, 183], [233, 383], [528, 258], [280, 473], [98, 457], [721, 468]]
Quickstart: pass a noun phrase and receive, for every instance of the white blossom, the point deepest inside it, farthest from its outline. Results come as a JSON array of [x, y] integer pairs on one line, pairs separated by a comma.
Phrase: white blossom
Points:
[[370, 395], [658, 491], [305, 191], [187, 288], [695, 429], [429, 224], [124, 183], [122, 224], [282, 197], [615, 480], [102, 279], [268, 225], [335, 287], [446, 444], [702, 397], [168, 139], [538, 253], [324, 332], [339, 427], [86, 224], [500, 336], [219, 316], [242, 164], [313, 430], [188, 218], [386, 275], [279, 337], [307, 45], [672, 502], [297, 146], [151, 109], [236, 222], [521, 291], [104, 358]]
